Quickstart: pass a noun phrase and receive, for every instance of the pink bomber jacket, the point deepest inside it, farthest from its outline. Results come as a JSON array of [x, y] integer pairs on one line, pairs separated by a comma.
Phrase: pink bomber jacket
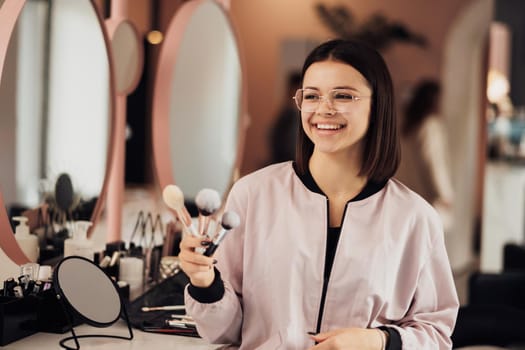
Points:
[[390, 267]]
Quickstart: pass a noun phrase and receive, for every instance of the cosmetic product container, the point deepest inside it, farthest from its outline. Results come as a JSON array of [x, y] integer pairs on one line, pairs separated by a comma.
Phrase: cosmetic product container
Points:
[[17, 318], [79, 244], [132, 271], [44, 273], [27, 242], [50, 314]]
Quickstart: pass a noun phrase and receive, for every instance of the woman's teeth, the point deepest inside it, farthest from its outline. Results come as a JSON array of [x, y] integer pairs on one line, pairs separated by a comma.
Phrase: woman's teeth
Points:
[[329, 126]]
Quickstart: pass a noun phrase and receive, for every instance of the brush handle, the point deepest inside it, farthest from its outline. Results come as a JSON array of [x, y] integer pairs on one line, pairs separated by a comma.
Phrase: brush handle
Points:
[[188, 228], [192, 231], [164, 308], [211, 249], [218, 239]]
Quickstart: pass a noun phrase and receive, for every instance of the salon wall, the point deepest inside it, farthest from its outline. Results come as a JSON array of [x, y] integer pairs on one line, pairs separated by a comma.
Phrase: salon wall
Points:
[[264, 26]]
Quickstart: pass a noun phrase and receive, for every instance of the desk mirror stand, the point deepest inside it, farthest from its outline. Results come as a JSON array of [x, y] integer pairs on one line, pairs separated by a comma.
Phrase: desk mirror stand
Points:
[[84, 290]]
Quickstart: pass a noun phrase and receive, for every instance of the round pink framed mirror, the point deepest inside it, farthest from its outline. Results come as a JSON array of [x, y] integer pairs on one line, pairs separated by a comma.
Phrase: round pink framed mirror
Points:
[[199, 105]]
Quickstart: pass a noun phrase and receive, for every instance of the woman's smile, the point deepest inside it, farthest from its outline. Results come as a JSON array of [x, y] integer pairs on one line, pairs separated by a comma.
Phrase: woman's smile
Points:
[[329, 126]]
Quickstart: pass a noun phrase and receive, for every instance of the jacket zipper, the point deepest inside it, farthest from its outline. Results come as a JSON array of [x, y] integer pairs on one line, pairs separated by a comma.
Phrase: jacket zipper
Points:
[[321, 306], [325, 279]]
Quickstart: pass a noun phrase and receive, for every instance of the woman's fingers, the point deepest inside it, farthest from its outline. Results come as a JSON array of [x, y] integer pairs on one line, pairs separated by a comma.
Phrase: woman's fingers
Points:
[[320, 337], [189, 245], [198, 267], [196, 259], [349, 338], [191, 242]]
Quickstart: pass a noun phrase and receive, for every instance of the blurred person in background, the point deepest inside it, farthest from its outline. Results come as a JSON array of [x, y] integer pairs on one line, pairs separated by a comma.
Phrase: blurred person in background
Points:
[[425, 166]]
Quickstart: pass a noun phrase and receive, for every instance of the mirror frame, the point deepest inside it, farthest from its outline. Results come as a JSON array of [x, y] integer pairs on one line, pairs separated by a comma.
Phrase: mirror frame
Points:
[[163, 87], [116, 169], [9, 14]]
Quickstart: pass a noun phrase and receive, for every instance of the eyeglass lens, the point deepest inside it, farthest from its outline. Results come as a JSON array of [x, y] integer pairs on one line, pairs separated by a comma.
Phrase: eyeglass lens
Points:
[[309, 100]]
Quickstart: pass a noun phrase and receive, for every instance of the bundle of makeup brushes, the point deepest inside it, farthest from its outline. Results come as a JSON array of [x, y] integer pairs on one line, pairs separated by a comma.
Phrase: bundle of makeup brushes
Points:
[[211, 224]]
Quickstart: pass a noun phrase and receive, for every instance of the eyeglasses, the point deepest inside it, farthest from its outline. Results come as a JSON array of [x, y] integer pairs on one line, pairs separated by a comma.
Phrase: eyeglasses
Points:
[[340, 100]]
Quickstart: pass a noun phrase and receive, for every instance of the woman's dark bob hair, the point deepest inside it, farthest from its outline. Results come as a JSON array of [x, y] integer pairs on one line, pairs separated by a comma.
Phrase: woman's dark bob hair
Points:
[[381, 152]]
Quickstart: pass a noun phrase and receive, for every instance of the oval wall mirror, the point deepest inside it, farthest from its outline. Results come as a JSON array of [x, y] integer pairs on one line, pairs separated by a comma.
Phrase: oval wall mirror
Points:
[[57, 111], [127, 55], [198, 101]]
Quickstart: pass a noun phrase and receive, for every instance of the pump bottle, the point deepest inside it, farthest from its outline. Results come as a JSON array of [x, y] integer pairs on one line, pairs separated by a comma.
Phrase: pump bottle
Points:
[[27, 242], [79, 244]]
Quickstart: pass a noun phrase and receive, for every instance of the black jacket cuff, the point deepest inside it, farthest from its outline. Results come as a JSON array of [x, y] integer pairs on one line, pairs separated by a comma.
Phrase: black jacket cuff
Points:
[[394, 338], [210, 294]]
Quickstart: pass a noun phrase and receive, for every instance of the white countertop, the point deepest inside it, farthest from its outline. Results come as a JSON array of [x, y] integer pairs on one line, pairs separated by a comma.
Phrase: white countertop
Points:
[[141, 340]]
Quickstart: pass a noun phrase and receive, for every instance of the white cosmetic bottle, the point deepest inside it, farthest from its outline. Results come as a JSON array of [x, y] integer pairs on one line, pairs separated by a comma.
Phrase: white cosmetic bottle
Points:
[[27, 242], [79, 244]]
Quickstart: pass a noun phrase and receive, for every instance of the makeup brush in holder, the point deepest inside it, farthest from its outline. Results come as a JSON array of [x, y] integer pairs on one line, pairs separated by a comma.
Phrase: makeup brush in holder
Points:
[[64, 197], [208, 201]]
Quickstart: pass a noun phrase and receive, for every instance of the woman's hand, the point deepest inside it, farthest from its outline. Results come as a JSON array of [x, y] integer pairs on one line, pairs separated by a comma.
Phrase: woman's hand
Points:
[[198, 267], [350, 339]]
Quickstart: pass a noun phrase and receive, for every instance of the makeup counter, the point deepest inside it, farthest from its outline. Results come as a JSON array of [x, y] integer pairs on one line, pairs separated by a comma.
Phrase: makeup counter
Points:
[[164, 289], [18, 312], [74, 304], [141, 340]]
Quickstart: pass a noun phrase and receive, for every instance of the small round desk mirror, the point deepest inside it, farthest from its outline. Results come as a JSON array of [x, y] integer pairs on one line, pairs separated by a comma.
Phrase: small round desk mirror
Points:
[[198, 101], [85, 290]]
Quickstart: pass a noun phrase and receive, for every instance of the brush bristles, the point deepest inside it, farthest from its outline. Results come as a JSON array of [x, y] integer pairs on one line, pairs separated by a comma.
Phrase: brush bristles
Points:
[[230, 220], [208, 201], [173, 197]]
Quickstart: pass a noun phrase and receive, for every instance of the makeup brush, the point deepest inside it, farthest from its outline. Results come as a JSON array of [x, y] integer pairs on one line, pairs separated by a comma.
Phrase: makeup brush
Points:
[[229, 220], [64, 193], [163, 308], [174, 198], [207, 201], [64, 198]]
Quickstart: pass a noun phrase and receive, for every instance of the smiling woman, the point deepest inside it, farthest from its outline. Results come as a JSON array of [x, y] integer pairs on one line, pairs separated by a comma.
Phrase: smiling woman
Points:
[[339, 224], [56, 107]]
